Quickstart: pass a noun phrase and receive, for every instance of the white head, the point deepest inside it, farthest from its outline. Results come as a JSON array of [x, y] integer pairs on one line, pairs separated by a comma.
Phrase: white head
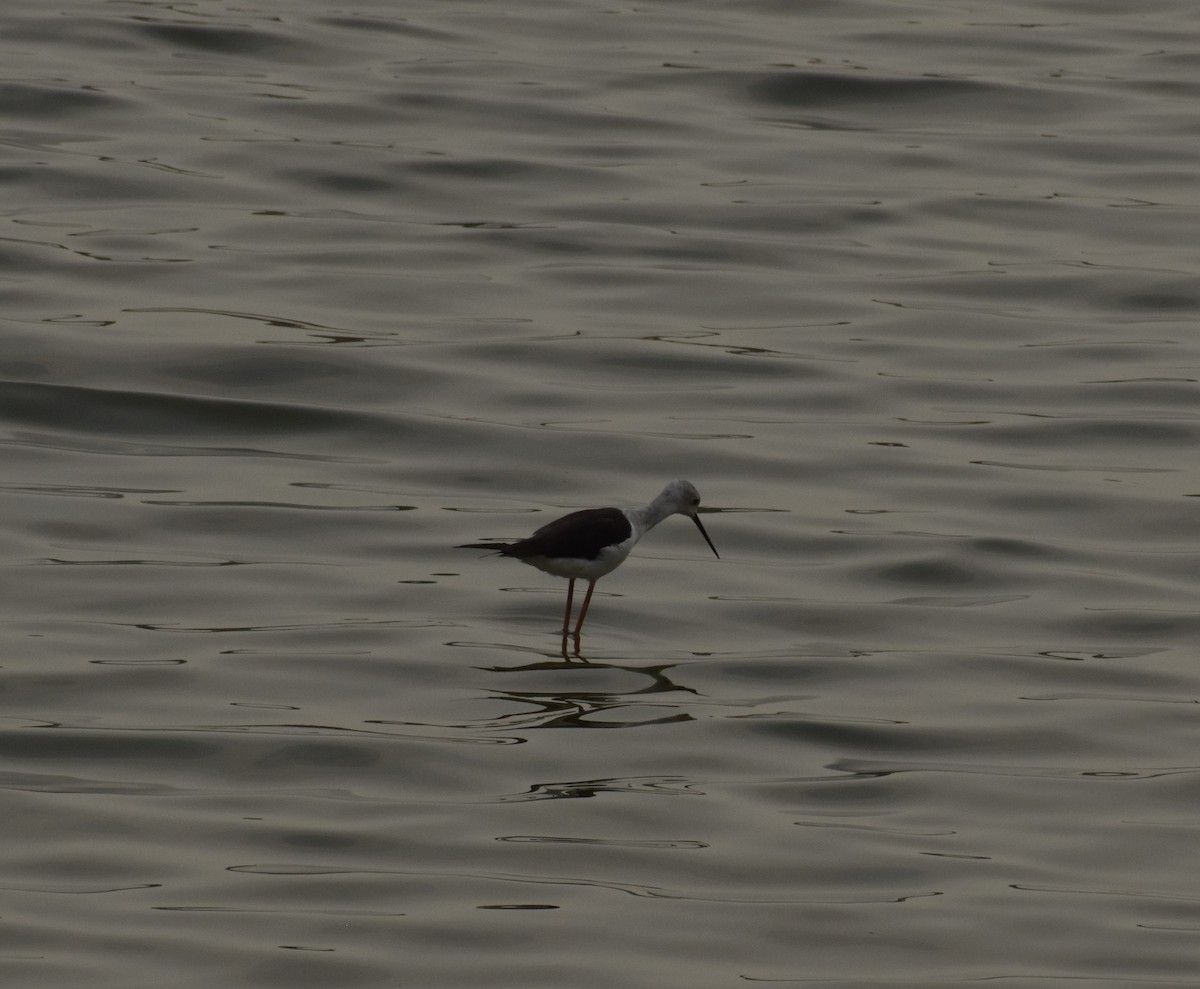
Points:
[[682, 498]]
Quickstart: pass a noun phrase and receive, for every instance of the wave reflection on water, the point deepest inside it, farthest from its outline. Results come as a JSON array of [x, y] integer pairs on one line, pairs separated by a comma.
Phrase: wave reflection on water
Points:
[[296, 301]]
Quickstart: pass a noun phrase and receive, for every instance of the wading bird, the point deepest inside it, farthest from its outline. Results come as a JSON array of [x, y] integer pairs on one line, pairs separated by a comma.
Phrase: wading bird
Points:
[[587, 545]]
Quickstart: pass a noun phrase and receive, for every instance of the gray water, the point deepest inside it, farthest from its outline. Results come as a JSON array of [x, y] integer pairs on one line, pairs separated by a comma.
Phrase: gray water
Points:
[[297, 298]]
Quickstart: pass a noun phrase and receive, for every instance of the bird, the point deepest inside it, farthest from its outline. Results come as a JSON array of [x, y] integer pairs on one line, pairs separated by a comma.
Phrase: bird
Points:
[[588, 544]]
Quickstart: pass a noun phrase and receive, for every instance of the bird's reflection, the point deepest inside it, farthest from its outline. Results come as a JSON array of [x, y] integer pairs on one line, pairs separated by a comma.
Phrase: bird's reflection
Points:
[[558, 708]]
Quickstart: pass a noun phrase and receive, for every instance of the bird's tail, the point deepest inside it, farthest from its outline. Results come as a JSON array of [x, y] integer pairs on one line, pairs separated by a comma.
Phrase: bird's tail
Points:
[[497, 547]]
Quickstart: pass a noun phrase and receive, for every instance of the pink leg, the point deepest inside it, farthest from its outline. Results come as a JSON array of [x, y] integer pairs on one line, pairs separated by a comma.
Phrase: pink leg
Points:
[[567, 616], [583, 611]]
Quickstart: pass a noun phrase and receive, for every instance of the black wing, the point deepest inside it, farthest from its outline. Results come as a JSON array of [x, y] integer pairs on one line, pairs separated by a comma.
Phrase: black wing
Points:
[[578, 536]]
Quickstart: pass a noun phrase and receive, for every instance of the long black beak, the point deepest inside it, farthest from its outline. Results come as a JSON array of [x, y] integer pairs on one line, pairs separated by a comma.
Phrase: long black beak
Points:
[[700, 526]]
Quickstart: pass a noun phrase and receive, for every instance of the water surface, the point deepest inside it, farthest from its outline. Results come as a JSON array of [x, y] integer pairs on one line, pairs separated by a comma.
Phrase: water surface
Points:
[[295, 299]]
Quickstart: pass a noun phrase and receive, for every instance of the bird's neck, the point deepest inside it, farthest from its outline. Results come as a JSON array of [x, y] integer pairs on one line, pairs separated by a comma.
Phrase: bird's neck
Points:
[[645, 519]]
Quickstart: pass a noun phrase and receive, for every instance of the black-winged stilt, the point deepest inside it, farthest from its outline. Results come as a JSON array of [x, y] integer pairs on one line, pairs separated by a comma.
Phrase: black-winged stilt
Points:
[[587, 545]]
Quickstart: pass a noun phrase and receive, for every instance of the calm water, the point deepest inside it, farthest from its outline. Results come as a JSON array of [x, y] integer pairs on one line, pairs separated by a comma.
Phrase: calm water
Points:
[[296, 298]]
